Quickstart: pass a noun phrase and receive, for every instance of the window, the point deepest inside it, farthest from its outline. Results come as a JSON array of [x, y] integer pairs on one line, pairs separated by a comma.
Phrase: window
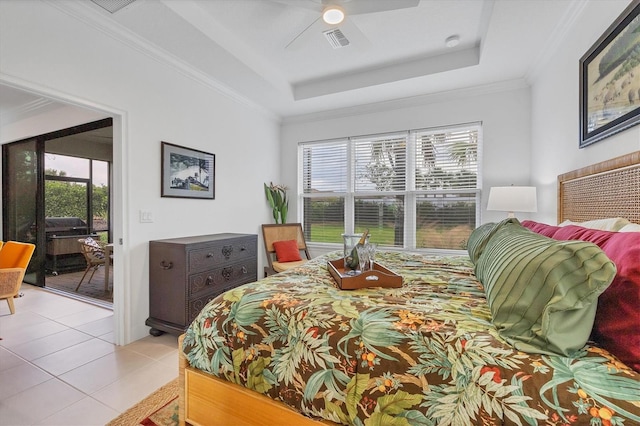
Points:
[[70, 182], [417, 189]]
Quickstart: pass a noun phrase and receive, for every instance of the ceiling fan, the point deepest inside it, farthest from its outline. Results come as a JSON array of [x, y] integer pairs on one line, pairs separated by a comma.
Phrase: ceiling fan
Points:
[[333, 21]]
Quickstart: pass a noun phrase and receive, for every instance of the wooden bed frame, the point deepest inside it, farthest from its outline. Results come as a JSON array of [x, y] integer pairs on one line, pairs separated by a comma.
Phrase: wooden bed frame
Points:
[[206, 400]]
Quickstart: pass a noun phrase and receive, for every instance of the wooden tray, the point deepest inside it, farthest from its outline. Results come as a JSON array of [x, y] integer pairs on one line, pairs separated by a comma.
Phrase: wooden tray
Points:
[[378, 277]]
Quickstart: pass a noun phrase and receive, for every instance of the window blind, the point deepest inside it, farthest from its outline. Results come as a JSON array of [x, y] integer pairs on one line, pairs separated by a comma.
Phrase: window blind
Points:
[[324, 178], [446, 187], [414, 189]]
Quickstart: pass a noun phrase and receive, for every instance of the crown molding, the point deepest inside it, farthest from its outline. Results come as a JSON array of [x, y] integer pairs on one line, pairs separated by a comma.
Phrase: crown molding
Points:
[[556, 39], [54, 96], [84, 12], [409, 102], [26, 110], [373, 76]]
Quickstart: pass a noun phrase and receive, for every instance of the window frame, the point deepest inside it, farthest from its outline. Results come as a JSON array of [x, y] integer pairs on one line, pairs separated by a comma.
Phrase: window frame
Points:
[[411, 193]]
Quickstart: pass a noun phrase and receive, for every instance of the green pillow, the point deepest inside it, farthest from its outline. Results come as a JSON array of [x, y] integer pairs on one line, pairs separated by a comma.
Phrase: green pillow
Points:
[[481, 235], [542, 292]]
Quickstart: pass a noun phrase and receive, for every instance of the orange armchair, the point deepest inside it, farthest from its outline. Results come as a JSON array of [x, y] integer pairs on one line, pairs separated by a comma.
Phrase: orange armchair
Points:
[[14, 258]]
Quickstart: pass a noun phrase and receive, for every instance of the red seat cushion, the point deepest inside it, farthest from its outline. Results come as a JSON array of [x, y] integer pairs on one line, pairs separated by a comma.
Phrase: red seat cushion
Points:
[[287, 251]]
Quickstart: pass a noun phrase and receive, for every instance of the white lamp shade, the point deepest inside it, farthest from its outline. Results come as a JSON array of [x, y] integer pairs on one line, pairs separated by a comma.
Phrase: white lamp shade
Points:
[[513, 199]]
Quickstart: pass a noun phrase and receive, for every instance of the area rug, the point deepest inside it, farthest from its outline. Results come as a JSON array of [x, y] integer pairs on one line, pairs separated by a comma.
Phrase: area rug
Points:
[[158, 409]]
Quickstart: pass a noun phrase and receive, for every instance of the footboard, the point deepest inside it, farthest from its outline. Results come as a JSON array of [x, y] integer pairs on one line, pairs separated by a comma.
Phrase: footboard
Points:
[[206, 400]]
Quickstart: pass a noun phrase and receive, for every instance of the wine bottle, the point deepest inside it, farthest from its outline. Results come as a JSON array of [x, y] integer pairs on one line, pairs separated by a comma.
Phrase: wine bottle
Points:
[[353, 259]]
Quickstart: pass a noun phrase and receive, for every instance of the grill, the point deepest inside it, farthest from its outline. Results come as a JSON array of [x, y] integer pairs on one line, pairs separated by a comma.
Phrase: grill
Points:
[[63, 249]]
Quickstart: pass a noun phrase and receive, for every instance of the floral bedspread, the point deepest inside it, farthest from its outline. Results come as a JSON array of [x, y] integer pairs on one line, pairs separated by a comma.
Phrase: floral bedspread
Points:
[[423, 354]]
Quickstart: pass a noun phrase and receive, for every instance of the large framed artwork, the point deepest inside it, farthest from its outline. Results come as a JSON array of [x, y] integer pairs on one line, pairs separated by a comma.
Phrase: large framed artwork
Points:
[[187, 173], [610, 80]]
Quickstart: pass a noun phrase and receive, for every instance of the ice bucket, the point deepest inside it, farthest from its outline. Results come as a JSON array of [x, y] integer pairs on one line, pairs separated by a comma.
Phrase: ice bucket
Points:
[[350, 241]]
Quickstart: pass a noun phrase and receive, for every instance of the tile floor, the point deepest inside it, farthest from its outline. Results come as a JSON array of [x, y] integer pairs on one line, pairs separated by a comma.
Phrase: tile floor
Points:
[[59, 366]]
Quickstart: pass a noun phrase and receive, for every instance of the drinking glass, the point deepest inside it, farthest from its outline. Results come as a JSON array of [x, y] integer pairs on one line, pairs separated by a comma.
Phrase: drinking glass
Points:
[[363, 257], [371, 254]]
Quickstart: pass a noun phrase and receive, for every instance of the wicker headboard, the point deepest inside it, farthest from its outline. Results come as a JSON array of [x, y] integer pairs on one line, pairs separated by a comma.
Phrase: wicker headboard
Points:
[[603, 190]]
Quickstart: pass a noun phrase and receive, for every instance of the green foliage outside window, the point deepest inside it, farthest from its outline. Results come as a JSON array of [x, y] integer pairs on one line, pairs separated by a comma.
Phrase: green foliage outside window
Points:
[[66, 199]]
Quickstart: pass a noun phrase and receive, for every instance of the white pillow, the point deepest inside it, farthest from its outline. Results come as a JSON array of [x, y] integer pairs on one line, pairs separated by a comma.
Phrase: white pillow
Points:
[[631, 227], [610, 224]]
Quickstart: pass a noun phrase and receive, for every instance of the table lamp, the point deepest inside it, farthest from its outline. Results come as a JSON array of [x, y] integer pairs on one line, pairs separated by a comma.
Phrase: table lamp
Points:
[[513, 199]]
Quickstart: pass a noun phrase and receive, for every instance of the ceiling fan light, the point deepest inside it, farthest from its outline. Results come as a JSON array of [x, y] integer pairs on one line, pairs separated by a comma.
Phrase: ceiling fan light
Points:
[[333, 15]]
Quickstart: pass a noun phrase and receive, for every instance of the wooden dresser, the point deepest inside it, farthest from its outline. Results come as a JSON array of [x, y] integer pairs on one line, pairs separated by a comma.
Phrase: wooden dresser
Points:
[[186, 273]]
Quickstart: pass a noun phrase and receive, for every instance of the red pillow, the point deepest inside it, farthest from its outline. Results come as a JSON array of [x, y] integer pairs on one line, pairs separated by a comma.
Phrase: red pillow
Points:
[[575, 232], [287, 251], [540, 228], [617, 323]]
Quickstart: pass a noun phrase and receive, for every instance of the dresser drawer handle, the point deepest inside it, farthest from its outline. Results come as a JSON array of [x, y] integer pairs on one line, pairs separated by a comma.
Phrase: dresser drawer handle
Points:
[[244, 269], [226, 251], [209, 254], [166, 265], [243, 248], [226, 273], [209, 280]]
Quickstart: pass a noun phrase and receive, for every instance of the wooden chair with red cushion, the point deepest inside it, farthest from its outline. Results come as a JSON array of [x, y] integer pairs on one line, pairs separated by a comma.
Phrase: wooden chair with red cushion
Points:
[[285, 246]]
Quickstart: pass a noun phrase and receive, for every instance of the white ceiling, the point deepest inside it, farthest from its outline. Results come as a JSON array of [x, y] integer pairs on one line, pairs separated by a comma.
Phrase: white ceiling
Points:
[[238, 46]]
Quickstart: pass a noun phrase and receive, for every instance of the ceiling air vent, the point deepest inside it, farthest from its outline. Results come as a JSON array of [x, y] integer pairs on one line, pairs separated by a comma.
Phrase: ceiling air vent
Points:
[[112, 6], [336, 38]]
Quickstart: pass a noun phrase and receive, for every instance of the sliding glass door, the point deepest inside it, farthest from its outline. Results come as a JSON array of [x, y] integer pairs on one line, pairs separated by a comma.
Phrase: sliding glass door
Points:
[[23, 214], [59, 175]]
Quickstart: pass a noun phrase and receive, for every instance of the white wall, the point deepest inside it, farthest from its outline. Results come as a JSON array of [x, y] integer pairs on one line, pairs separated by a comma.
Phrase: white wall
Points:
[[503, 109], [555, 109], [49, 51]]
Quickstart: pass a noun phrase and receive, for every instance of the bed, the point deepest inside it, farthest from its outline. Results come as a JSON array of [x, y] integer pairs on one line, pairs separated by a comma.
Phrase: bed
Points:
[[293, 349]]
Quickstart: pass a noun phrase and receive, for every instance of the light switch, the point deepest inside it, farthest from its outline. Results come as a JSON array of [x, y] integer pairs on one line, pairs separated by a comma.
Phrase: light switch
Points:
[[146, 216]]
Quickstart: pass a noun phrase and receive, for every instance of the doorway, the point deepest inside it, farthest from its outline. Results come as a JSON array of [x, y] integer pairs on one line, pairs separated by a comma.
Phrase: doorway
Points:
[[69, 176]]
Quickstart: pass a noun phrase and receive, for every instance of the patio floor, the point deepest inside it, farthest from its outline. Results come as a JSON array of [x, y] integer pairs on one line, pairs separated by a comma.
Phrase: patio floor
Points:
[[94, 289]]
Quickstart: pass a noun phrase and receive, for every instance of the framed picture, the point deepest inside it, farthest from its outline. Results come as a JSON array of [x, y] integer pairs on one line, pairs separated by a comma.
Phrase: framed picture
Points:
[[187, 173], [610, 80]]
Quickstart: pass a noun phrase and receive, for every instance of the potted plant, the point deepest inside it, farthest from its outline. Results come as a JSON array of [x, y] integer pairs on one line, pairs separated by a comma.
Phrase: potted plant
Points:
[[277, 198]]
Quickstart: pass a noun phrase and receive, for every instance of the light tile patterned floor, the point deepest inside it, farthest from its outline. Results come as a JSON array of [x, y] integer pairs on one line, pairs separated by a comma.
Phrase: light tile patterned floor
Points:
[[59, 366]]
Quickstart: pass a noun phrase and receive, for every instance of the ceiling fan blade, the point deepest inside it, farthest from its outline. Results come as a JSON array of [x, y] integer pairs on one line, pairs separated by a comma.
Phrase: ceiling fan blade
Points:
[[306, 4], [301, 41], [356, 7]]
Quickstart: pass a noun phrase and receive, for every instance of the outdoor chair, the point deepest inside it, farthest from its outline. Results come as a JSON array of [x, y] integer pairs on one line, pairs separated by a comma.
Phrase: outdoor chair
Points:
[[94, 255]]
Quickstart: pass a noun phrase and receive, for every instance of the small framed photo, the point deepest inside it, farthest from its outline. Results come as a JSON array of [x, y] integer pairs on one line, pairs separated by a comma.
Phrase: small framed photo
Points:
[[187, 173], [610, 80]]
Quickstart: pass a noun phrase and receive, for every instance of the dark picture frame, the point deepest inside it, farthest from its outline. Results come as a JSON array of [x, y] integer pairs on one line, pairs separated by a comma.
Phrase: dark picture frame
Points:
[[610, 80], [187, 172]]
